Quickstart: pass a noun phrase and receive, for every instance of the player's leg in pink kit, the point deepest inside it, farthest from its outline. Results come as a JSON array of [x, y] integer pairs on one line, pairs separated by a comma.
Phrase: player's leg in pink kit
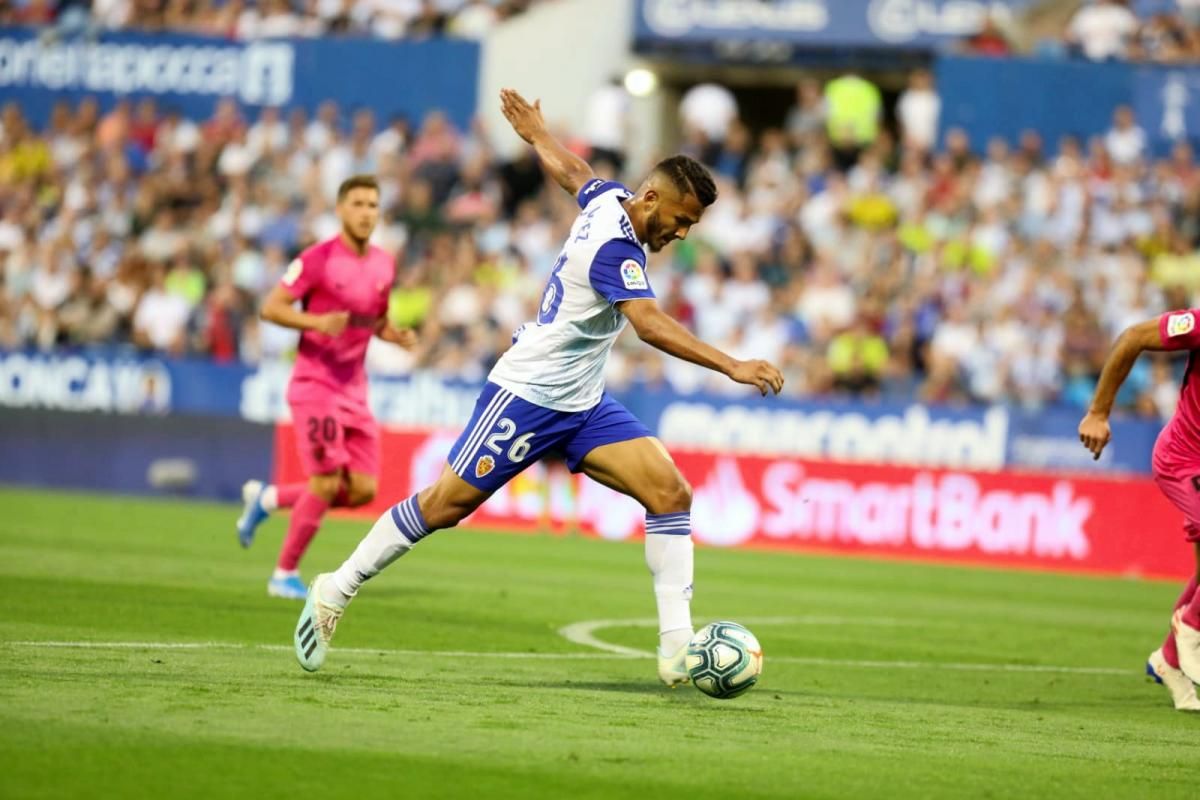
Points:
[[321, 445], [363, 447], [1182, 488]]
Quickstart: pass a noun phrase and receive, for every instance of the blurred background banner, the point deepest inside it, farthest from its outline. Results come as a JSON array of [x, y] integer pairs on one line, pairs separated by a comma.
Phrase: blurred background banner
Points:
[[1034, 519], [880, 432], [190, 74], [724, 28]]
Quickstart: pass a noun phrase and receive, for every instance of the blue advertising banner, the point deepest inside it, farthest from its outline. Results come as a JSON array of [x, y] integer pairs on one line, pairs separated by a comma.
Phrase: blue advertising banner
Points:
[[1165, 100], [192, 73], [899, 24], [879, 433]]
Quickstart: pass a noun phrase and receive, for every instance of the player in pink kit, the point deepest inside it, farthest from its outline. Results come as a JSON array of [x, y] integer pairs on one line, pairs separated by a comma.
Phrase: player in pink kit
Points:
[[343, 285], [1176, 664]]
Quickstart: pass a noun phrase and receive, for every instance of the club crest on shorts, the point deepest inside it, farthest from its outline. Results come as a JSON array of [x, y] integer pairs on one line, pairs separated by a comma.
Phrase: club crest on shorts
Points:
[[484, 465]]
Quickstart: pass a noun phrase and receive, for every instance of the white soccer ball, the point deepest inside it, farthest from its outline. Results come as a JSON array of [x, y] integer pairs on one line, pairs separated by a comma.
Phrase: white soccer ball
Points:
[[724, 660]]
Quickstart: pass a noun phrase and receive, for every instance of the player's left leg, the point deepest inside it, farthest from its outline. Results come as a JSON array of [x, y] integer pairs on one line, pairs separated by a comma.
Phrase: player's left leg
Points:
[[616, 450], [505, 435]]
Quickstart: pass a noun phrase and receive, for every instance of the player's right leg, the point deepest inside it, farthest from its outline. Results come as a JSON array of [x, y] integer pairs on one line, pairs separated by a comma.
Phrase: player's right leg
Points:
[[1186, 621]]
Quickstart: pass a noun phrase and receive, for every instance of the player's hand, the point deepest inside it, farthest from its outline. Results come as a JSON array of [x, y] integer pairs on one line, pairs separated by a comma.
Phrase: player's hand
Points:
[[404, 337], [1095, 433], [333, 323], [762, 374], [525, 119]]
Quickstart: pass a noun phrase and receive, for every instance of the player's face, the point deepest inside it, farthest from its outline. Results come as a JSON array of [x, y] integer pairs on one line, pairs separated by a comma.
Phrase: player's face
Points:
[[359, 212], [670, 217]]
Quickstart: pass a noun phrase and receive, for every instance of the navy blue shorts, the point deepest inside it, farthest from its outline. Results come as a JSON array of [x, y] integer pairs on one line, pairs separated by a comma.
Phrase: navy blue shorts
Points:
[[506, 434]]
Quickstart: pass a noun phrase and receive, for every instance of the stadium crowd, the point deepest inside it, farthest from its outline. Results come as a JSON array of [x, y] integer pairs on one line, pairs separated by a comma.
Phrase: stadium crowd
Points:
[[257, 19], [1159, 31], [859, 259]]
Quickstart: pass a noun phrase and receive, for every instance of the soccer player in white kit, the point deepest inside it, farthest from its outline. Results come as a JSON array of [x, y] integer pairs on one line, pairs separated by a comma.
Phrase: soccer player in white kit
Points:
[[546, 394]]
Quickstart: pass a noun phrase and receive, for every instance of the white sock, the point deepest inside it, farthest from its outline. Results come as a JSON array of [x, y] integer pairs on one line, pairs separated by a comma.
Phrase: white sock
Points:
[[270, 498], [669, 557], [392, 535], [280, 574]]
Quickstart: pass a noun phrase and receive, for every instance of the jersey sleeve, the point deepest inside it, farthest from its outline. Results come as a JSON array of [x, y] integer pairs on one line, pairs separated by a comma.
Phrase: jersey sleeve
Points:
[[302, 275], [1178, 330], [618, 272], [596, 187]]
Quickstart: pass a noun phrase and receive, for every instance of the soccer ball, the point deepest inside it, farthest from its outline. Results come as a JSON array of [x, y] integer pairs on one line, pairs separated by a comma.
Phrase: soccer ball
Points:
[[724, 660]]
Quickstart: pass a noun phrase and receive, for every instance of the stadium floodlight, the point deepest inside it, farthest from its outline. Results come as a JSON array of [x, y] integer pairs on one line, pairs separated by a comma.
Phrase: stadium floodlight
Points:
[[641, 82]]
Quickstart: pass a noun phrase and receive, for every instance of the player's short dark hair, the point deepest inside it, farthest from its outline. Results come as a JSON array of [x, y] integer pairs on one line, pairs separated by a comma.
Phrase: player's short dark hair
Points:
[[357, 182], [690, 177]]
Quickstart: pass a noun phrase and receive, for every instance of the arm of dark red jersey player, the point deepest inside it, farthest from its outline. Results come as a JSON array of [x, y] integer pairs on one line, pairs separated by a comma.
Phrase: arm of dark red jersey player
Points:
[[658, 329], [567, 169], [1174, 331], [279, 307]]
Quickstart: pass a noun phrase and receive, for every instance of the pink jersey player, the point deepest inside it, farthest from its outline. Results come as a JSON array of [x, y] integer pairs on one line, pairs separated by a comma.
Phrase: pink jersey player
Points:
[[1176, 467], [342, 285]]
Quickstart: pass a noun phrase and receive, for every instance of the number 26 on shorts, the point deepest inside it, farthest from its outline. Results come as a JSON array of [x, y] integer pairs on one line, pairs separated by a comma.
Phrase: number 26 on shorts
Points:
[[506, 429]]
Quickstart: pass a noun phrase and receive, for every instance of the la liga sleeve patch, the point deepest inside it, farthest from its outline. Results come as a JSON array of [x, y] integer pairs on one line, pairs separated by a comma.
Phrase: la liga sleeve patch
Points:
[[1180, 324], [632, 275], [293, 272]]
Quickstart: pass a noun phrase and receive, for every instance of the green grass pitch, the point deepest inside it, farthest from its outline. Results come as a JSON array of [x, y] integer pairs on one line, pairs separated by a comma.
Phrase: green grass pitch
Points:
[[453, 679]]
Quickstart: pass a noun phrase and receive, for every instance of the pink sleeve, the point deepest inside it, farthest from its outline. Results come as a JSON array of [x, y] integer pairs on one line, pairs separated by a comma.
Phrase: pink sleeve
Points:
[[303, 274], [1178, 330]]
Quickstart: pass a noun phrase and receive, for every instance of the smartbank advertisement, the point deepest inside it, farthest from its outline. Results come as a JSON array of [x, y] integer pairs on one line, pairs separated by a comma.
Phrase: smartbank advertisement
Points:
[[877, 433], [1039, 521], [192, 73], [913, 24]]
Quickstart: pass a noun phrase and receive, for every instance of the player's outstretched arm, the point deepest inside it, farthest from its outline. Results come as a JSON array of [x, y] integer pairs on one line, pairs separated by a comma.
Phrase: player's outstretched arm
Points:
[[279, 308], [658, 329], [567, 169], [1094, 430]]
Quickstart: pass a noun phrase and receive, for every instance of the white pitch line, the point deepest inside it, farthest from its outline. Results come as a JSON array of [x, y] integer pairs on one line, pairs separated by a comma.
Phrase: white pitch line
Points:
[[282, 648], [584, 633]]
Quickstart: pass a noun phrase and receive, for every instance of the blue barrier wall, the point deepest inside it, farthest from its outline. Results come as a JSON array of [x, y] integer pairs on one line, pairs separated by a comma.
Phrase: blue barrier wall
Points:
[[177, 455], [982, 438], [1003, 97], [192, 73]]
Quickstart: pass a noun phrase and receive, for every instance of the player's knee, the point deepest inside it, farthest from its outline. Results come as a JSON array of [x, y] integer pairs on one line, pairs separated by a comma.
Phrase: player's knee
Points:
[[673, 494], [443, 507], [325, 487], [361, 492]]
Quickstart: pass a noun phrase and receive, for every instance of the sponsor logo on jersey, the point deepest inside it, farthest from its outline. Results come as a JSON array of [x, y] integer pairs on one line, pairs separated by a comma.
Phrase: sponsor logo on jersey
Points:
[[293, 272], [1179, 324], [632, 275], [484, 465]]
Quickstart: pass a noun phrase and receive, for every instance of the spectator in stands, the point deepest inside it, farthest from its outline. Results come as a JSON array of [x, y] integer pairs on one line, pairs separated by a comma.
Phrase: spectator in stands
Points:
[[1125, 141], [918, 110], [1102, 29], [854, 108], [989, 40], [707, 110], [606, 125]]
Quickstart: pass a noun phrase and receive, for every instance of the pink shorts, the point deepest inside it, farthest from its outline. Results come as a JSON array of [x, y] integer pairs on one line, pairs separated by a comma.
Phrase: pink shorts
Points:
[[1182, 487], [331, 438]]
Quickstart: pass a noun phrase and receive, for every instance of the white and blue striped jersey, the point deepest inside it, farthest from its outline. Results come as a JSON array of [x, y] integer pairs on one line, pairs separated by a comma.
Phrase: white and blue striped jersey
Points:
[[557, 361]]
